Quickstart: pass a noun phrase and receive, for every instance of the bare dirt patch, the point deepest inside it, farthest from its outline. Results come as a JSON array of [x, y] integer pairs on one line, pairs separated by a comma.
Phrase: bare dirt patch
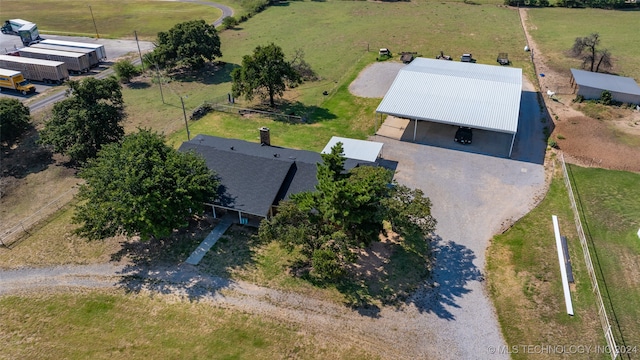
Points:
[[587, 141]]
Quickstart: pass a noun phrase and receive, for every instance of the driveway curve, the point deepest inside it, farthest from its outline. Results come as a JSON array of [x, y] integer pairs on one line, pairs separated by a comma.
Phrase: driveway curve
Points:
[[226, 11]]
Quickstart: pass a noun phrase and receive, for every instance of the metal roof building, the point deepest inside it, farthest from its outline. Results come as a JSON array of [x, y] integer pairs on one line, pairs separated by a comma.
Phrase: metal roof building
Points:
[[456, 93], [591, 85], [356, 149]]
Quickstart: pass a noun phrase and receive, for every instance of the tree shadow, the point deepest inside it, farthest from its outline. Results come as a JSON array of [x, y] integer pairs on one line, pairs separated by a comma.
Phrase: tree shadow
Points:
[[310, 114], [213, 73], [158, 265], [137, 85], [452, 270], [25, 156]]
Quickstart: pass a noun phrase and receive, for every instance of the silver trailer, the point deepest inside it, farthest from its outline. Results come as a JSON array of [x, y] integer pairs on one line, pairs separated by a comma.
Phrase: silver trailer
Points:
[[100, 51], [35, 69], [76, 62], [91, 53]]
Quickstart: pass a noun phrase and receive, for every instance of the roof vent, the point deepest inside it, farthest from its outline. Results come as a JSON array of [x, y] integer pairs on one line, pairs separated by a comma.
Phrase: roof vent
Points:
[[276, 155], [232, 148]]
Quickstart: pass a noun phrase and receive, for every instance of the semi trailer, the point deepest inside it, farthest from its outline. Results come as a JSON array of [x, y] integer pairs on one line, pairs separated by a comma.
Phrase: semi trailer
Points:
[[91, 53], [76, 62], [27, 30], [11, 79], [100, 51], [54, 72]]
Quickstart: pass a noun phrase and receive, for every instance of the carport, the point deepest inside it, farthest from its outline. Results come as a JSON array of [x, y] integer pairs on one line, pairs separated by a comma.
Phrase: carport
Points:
[[455, 93]]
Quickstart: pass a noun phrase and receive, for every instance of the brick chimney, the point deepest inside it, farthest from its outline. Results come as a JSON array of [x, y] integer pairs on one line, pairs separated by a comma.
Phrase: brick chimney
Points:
[[265, 137]]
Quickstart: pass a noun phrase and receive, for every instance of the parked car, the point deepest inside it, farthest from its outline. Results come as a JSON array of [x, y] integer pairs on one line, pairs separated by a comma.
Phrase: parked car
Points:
[[464, 135], [467, 58]]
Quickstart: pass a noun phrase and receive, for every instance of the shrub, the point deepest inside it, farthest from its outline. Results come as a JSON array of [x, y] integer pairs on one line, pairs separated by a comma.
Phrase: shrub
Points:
[[326, 264], [229, 22], [606, 98], [552, 143], [579, 99], [125, 70], [560, 137]]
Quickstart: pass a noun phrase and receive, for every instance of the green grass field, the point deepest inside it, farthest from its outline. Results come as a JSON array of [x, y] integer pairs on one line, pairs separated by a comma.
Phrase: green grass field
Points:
[[114, 19], [555, 30], [524, 281], [609, 202], [522, 265], [108, 325]]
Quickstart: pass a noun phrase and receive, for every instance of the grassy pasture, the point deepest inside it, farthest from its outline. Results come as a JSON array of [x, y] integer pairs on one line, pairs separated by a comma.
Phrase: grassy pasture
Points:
[[107, 325], [555, 29], [609, 202], [522, 265], [114, 19]]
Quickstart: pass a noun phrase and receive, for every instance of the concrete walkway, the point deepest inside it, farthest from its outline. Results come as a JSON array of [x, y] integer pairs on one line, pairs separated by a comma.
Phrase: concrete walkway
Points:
[[210, 240]]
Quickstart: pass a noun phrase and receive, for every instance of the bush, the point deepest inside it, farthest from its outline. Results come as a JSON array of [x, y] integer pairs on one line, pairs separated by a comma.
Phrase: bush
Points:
[[552, 143], [326, 264], [560, 137], [579, 99], [229, 22], [606, 98], [125, 70]]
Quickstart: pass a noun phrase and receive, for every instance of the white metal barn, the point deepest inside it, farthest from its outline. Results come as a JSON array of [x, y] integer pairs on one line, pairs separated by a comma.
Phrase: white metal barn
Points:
[[456, 93], [591, 85]]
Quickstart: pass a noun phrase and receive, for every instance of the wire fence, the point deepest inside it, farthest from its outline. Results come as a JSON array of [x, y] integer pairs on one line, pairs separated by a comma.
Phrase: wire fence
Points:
[[10, 236], [235, 109], [602, 313]]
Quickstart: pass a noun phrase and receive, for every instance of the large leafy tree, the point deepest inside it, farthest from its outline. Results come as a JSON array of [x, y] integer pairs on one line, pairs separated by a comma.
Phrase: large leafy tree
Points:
[[191, 43], [586, 49], [87, 120], [14, 119], [346, 212], [265, 73], [143, 187]]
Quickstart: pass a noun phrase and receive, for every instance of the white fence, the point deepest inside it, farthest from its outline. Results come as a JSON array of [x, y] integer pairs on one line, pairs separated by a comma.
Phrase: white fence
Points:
[[602, 313], [10, 235]]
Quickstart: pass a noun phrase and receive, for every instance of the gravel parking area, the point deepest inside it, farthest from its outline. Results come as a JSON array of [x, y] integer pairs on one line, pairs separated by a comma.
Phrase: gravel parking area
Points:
[[474, 196], [115, 49]]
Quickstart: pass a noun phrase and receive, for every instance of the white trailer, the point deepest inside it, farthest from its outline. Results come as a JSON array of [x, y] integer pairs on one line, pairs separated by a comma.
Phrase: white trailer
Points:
[[76, 62], [91, 53], [100, 51], [35, 69]]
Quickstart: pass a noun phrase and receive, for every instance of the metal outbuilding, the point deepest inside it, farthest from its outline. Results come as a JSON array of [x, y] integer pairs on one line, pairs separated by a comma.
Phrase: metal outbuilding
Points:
[[456, 93], [590, 85]]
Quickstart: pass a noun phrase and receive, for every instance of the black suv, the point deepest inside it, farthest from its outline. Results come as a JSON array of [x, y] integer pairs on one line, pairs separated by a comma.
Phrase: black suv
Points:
[[463, 135]]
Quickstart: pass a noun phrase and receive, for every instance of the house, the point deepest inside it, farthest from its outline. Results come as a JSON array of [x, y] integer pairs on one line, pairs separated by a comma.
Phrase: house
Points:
[[255, 177]]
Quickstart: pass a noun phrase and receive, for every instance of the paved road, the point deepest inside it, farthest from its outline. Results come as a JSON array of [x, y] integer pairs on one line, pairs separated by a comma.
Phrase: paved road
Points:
[[115, 49]]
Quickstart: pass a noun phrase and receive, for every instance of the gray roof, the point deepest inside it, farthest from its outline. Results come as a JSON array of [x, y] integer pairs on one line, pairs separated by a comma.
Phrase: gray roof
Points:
[[613, 83], [355, 149], [255, 176], [466, 94]]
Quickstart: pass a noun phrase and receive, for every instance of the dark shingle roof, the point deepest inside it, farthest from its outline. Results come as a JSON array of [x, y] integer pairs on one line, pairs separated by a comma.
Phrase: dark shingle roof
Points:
[[255, 176]]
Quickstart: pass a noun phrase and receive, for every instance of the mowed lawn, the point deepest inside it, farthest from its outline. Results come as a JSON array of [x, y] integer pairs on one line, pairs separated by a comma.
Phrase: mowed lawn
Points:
[[338, 39], [524, 275], [610, 204], [555, 30], [112, 325], [114, 19]]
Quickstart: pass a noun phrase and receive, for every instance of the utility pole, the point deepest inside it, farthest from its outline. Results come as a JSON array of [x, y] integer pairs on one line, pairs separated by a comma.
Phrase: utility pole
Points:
[[94, 22], [135, 33], [186, 124], [160, 83]]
